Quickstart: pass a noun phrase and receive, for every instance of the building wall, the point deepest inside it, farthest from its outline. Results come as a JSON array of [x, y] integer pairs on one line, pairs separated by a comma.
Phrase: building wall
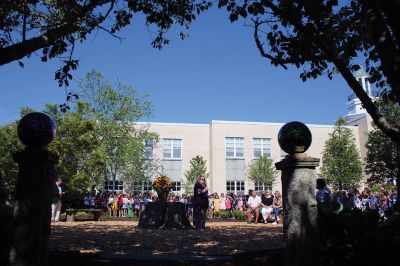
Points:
[[209, 142], [364, 126], [195, 141]]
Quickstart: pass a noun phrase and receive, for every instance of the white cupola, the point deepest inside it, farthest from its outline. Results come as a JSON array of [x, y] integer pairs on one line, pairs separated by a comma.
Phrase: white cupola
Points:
[[353, 104]]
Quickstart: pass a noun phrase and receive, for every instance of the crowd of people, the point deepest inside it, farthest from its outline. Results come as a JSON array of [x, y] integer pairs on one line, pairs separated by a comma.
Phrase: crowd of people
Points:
[[117, 204], [256, 208], [382, 201]]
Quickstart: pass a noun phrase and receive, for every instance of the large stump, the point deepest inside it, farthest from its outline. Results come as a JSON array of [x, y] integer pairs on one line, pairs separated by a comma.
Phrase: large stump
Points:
[[170, 215]]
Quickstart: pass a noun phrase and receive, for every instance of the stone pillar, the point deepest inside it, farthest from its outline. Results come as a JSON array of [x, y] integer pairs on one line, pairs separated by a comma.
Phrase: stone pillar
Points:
[[299, 210], [32, 211]]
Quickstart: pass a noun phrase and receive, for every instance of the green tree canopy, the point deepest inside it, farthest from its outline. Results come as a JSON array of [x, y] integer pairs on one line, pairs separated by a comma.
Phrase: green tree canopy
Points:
[[262, 170], [116, 109], [341, 162], [325, 37], [96, 140], [198, 167], [9, 145], [383, 154]]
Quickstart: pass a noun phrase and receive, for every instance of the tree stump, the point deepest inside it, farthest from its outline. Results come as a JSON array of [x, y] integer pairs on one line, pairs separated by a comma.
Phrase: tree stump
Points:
[[171, 215]]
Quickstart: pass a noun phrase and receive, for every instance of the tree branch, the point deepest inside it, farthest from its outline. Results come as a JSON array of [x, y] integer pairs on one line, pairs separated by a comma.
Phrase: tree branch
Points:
[[24, 48], [384, 43], [109, 32], [392, 132], [260, 47], [333, 55]]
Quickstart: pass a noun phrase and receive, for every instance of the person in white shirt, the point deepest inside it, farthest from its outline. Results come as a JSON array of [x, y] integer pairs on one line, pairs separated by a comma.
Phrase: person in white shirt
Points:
[[56, 201], [253, 203], [222, 204]]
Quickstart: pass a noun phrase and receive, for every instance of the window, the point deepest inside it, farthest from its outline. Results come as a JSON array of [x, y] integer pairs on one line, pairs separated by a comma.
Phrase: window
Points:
[[176, 186], [119, 186], [230, 186], [235, 187], [262, 147], [141, 187], [261, 186], [234, 147], [147, 185], [172, 148], [149, 148], [239, 188]]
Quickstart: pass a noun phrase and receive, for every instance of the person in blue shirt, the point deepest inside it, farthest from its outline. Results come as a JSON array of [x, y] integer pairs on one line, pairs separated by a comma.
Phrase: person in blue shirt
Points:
[[392, 199], [323, 196], [373, 201]]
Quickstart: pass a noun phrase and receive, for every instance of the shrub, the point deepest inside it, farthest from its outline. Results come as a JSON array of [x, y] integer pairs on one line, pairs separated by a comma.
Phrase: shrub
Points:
[[81, 214], [217, 214], [224, 215], [375, 187], [239, 215], [358, 238]]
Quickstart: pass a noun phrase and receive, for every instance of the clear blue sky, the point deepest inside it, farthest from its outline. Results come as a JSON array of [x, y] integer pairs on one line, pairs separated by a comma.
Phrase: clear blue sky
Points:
[[215, 74]]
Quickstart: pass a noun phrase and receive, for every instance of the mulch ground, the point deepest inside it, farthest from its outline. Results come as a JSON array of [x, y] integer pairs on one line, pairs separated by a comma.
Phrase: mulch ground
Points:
[[122, 239]]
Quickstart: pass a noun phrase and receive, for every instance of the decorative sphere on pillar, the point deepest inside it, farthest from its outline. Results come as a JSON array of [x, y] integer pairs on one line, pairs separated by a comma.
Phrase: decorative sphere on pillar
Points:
[[294, 137], [36, 130]]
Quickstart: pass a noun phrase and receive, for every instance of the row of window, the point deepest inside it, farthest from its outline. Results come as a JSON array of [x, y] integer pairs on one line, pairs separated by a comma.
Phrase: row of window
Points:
[[234, 148], [138, 187], [235, 187]]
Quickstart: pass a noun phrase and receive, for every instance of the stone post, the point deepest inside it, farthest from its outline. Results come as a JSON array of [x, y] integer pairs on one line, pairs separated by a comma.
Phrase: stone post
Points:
[[299, 210], [36, 177], [32, 213]]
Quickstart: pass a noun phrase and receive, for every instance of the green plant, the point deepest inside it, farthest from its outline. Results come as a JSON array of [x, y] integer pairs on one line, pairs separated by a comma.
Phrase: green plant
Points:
[[81, 214], [375, 187], [239, 215], [387, 187], [341, 162], [224, 215], [217, 214], [358, 238]]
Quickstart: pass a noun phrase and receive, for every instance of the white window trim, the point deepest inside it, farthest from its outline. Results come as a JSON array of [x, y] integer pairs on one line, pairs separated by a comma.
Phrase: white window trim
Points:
[[262, 148], [110, 184], [172, 150], [234, 148], [235, 191], [263, 186]]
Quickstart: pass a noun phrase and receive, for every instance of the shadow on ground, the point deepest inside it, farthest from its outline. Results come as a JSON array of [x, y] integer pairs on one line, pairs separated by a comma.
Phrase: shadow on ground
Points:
[[121, 243]]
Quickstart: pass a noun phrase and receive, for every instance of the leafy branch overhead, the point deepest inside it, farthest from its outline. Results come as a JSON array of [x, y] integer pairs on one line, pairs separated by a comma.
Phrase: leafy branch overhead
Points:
[[329, 37], [53, 28], [383, 154]]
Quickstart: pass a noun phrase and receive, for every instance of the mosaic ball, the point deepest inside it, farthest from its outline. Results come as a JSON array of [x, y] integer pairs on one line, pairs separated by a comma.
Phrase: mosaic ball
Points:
[[36, 130], [294, 137]]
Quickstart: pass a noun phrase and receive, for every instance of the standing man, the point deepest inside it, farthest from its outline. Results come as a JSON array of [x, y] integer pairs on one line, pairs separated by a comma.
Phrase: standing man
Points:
[[254, 203], [56, 201]]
